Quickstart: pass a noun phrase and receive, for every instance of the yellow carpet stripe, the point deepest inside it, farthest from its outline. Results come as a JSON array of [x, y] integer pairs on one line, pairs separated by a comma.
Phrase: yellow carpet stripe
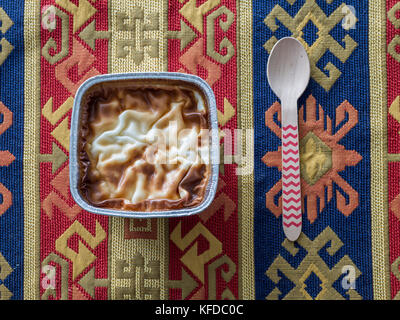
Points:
[[378, 105], [245, 121], [31, 150], [125, 249], [393, 157]]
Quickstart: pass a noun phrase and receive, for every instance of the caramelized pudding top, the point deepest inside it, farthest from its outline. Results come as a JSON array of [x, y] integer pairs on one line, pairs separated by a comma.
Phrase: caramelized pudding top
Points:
[[144, 146]]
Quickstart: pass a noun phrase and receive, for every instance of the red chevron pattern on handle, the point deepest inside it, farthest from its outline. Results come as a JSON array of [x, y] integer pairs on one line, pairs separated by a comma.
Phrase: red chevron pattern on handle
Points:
[[291, 193]]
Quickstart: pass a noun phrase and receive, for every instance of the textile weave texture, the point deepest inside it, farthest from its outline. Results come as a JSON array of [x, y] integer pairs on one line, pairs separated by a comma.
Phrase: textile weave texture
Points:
[[349, 140]]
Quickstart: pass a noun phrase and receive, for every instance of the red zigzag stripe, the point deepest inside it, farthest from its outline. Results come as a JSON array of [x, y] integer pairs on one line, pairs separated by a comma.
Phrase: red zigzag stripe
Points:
[[286, 152], [291, 175], [290, 135], [291, 199], [294, 144], [292, 208], [287, 192], [293, 159], [291, 184], [292, 215], [290, 127], [291, 168], [292, 224]]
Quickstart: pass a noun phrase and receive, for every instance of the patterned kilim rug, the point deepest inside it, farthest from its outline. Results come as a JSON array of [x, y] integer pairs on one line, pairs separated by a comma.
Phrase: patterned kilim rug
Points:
[[349, 120]]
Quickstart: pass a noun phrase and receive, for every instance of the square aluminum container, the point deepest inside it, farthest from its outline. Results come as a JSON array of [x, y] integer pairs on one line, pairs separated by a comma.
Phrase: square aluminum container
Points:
[[214, 144]]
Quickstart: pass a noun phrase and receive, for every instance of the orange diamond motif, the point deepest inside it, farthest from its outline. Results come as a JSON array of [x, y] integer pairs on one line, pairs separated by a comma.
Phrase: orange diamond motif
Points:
[[321, 158]]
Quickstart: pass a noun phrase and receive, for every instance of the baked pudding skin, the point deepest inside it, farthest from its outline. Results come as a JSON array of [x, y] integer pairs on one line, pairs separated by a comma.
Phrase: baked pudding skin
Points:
[[127, 156]]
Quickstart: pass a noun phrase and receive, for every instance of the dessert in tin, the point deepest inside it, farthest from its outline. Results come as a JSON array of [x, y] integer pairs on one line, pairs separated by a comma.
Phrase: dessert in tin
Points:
[[144, 146]]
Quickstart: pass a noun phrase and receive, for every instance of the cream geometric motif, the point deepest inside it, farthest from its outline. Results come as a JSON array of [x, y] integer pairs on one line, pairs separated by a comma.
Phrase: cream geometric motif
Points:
[[395, 268], [89, 282], [311, 11], [81, 13], [396, 272], [186, 35], [194, 261], [51, 44], [137, 279], [90, 34], [392, 15], [187, 284], [195, 14], [312, 263], [392, 47], [225, 44], [228, 114], [83, 257], [6, 47], [315, 158], [134, 47], [5, 271], [226, 275], [395, 42], [394, 109], [61, 272], [61, 132]]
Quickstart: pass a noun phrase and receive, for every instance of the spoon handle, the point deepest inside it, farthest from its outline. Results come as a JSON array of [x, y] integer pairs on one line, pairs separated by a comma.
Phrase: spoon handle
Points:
[[291, 192]]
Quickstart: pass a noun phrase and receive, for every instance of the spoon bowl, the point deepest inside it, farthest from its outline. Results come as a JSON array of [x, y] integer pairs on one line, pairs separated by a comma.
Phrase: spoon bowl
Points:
[[288, 68]]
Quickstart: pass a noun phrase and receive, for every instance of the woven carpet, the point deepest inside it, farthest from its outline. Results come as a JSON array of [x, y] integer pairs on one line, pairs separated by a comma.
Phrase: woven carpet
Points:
[[349, 120]]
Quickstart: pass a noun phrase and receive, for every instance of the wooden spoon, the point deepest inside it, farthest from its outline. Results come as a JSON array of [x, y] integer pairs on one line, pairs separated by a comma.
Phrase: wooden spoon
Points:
[[288, 74]]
